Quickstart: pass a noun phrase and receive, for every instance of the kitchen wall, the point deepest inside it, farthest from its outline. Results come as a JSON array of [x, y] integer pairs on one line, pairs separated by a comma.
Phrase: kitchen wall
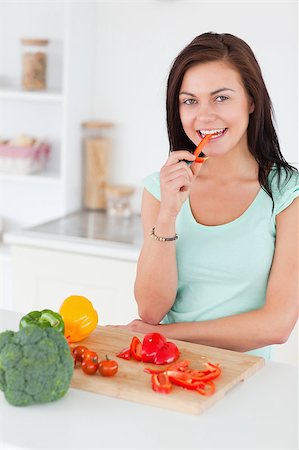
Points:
[[135, 43], [138, 40]]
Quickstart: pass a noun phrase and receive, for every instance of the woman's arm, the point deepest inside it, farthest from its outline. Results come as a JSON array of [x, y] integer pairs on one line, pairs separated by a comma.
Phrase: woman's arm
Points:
[[157, 279], [271, 324]]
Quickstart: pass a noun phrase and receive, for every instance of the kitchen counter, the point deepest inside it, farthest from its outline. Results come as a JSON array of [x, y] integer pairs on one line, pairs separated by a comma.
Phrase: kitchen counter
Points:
[[85, 232], [260, 413]]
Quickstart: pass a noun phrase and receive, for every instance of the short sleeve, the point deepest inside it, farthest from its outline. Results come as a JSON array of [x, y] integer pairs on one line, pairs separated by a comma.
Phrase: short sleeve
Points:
[[152, 184], [286, 193]]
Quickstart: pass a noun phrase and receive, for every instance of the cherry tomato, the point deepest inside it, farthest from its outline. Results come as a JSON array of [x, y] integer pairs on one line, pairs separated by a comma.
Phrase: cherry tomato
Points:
[[90, 355], [108, 367], [78, 353], [90, 367]]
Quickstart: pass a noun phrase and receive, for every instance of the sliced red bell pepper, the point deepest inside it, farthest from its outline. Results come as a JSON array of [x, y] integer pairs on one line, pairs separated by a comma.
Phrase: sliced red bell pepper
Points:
[[199, 148], [182, 379], [168, 353], [192, 379], [152, 342], [154, 349], [207, 389], [157, 350], [179, 365], [210, 374], [125, 353], [161, 383], [136, 348]]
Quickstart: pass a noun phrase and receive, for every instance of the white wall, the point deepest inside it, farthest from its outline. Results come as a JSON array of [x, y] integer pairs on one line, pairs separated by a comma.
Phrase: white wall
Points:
[[136, 44]]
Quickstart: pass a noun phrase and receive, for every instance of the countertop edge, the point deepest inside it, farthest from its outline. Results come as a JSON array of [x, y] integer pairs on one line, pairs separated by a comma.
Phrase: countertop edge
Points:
[[84, 246]]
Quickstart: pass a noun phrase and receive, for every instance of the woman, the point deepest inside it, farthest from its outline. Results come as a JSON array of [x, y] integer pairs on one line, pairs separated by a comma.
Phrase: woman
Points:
[[227, 274]]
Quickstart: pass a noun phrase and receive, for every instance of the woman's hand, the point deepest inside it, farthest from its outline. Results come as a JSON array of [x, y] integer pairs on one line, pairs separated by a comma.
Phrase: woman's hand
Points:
[[176, 179], [138, 326]]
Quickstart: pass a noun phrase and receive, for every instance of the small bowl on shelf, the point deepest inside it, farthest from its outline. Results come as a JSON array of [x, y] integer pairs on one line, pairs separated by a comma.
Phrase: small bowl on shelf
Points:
[[23, 157]]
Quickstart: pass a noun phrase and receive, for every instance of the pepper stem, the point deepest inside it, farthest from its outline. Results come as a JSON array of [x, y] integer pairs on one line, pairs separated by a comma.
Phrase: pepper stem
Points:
[[48, 317]]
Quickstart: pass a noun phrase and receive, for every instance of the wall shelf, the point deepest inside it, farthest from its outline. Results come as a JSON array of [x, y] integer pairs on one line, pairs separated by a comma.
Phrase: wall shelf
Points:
[[55, 114], [42, 96], [47, 178]]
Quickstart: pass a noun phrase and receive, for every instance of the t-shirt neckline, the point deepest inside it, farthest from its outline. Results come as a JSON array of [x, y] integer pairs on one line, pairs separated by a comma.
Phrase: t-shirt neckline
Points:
[[232, 222]]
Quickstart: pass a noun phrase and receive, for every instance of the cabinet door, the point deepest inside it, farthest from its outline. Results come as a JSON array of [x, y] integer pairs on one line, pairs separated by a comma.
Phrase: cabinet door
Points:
[[44, 278]]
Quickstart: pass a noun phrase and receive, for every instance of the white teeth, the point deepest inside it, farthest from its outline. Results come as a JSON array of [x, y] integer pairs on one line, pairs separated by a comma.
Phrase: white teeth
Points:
[[219, 131]]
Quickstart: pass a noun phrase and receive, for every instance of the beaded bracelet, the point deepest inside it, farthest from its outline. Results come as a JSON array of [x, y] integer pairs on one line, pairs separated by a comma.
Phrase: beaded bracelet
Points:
[[162, 239]]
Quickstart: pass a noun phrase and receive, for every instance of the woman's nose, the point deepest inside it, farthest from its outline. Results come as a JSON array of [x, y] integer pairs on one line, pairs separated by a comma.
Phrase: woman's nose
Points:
[[206, 113]]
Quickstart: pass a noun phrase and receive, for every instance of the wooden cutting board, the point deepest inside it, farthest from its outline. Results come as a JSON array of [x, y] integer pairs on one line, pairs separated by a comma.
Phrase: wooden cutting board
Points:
[[133, 384]]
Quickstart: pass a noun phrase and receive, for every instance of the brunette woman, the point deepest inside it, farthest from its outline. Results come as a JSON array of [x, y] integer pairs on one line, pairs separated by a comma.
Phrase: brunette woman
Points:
[[219, 263]]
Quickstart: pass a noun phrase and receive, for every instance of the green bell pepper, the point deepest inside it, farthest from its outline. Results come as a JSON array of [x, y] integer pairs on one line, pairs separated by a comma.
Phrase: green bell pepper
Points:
[[44, 319]]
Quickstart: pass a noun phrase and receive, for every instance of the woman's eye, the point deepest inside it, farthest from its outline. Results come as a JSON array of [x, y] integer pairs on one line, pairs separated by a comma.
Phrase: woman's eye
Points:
[[189, 101], [221, 98]]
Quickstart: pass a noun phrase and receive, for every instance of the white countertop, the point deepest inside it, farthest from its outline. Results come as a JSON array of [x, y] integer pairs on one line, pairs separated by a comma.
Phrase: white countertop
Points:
[[260, 413], [85, 232]]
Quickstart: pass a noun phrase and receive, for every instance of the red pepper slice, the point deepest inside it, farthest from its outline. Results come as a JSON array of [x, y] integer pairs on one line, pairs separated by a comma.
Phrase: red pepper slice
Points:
[[161, 383], [136, 348], [210, 374], [179, 365], [207, 389], [184, 380], [179, 374], [125, 353], [201, 159], [200, 147]]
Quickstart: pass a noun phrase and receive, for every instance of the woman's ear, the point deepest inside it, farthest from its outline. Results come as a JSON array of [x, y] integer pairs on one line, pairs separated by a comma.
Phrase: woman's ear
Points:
[[251, 105]]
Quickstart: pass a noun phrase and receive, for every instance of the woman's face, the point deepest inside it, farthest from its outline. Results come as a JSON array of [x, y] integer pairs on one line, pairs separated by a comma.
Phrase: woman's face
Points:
[[213, 100]]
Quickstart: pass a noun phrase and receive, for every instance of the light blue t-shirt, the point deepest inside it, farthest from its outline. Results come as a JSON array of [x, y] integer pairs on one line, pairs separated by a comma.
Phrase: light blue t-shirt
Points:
[[223, 270]]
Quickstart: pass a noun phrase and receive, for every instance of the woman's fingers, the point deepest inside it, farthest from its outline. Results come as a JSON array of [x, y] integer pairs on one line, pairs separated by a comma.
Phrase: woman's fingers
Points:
[[176, 179], [179, 155], [182, 176], [184, 173], [179, 183], [170, 172]]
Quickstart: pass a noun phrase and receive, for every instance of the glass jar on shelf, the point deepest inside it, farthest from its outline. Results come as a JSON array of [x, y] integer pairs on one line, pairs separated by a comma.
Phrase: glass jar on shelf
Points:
[[34, 70], [119, 200]]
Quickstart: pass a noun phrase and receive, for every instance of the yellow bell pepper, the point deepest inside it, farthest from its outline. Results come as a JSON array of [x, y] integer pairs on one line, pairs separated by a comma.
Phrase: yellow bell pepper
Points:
[[79, 316]]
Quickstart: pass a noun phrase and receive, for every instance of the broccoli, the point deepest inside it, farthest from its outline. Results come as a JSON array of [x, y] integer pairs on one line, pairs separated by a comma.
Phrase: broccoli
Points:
[[36, 365]]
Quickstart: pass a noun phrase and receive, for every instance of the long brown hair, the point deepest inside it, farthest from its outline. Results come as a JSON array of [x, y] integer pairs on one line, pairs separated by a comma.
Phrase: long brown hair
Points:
[[262, 138]]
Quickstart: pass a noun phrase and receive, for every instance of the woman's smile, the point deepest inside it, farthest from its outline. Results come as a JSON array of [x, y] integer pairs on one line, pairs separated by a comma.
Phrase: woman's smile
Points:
[[216, 133]]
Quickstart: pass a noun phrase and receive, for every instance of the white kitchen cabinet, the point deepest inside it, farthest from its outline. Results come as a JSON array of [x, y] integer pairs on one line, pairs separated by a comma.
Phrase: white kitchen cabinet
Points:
[[5, 277], [55, 114], [44, 278]]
